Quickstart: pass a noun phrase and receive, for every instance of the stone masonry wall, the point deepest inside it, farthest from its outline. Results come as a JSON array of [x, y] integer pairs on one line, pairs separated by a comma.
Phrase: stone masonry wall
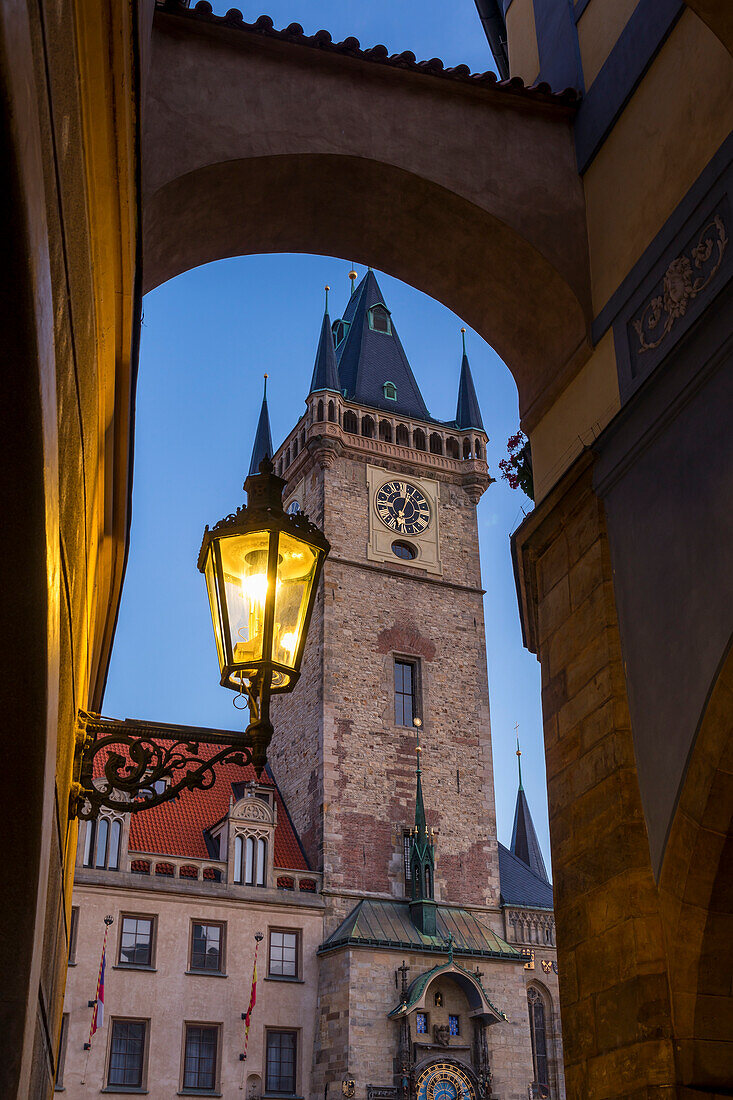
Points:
[[614, 992]]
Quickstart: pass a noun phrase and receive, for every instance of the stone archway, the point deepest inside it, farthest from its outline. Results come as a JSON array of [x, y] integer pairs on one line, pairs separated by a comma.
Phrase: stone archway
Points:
[[697, 901], [258, 142]]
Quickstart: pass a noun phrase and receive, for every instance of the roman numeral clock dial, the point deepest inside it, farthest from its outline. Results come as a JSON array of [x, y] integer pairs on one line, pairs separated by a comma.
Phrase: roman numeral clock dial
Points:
[[403, 508]]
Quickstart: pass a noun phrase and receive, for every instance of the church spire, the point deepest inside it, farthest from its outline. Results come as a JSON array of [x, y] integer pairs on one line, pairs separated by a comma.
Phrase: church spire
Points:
[[525, 844], [372, 366], [263, 437], [422, 858], [325, 371], [468, 413]]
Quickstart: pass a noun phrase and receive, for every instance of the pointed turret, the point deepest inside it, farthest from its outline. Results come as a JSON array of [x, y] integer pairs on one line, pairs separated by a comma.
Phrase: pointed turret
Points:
[[422, 860], [325, 371], [372, 366], [468, 413], [525, 844], [263, 437]]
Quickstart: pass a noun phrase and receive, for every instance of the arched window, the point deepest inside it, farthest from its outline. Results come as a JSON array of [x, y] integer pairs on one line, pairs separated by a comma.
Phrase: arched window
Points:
[[379, 319], [466, 448], [319, 414], [238, 845], [403, 436], [367, 427], [436, 444], [451, 446], [390, 391], [102, 844], [428, 884], [477, 448], [351, 424], [538, 1031], [332, 412], [302, 439], [249, 861], [418, 439], [385, 431], [261, 861], [340, 330]]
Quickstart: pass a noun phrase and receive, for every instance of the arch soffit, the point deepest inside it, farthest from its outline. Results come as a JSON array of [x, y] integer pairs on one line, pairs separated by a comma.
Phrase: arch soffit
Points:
[[417, 993], [488, 217]]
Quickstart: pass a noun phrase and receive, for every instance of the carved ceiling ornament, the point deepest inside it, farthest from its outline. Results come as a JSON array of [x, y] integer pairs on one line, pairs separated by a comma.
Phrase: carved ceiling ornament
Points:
[[681, 285]]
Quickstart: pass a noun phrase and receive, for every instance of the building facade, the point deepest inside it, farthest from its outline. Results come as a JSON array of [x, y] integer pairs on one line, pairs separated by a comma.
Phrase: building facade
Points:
[[423, 951]]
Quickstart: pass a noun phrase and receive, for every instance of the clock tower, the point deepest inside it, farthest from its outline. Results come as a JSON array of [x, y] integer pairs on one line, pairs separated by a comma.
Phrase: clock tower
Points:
[[398, 632]]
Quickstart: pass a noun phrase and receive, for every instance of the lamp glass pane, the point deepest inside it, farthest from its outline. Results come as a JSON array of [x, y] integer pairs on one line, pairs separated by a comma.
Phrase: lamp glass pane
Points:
[[244, 565], [214, 605], [297, 563]]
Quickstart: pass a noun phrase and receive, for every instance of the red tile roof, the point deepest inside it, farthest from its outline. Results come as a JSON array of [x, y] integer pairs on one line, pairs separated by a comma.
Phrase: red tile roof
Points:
[[177, 828], [351, 47]]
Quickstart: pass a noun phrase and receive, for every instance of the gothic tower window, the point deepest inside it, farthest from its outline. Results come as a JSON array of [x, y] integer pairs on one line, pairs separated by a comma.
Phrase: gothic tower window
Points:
[[405, 692], [367, 427], [418, 439], [332, 412], [351, 424], [379, 320], [319, 414], [436, 444], [451, 447], [403, 436], [538, 1031], [477, 448], [385, 431], [466, 448]]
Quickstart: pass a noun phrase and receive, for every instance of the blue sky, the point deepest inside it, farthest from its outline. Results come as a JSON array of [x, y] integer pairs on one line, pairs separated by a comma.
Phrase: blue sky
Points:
[[208, 336]]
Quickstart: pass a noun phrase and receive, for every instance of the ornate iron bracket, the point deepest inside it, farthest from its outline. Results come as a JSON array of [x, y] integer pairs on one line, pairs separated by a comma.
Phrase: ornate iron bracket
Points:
[[145, 773]]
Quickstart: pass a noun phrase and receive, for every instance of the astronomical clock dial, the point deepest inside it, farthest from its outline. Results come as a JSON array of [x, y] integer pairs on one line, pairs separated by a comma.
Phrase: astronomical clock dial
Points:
[[444, 1081], [402, 507]]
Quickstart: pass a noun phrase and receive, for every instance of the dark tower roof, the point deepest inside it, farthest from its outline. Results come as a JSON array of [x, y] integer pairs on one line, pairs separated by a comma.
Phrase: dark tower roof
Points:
[[325, 371], [263, 437], [468, 413], [525, 844], [369, 358]]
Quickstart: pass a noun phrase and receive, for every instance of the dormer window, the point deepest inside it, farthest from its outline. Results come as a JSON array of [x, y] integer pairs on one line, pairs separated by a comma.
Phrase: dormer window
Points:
[[250, 861], [379, 320], [340, 331], [390, 391]]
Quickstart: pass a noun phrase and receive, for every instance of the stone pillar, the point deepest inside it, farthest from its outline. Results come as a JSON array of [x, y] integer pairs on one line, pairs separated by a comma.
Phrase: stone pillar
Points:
[[614, 993]]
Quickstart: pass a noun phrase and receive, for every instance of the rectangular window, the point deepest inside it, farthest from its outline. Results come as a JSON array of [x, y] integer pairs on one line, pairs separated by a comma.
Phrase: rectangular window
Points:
[[283, 955], [73, 928], [454, 1025], [61, 1058], [127, 1054], [405, 692], [421, 1023], [136, 941], [281, 1051], [207, 947], [199, 1069]]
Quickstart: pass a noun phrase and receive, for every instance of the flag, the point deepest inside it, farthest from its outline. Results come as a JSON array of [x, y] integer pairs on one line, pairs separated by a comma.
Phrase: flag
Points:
[[98, 1014], [252, 998]]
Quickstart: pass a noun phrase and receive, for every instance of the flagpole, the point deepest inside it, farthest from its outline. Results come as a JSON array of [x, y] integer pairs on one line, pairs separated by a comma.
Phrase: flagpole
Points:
[[94, 1005], [247, 1016]]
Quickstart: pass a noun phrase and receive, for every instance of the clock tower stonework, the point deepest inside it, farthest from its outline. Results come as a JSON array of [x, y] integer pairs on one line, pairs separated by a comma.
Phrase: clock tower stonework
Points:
[[397, 634]]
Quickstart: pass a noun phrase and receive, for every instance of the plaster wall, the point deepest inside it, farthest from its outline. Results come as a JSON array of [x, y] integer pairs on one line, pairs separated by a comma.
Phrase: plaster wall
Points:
[[524, 58], [665, 136], [168, 997], [599, 28]]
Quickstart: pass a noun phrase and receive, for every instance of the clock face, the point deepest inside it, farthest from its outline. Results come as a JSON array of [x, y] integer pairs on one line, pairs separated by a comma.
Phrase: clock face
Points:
[[402, 508], [444, 1081]]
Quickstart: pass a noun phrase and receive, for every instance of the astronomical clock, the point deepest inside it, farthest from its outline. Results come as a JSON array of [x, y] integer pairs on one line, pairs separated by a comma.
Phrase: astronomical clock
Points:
[[444, 1081], [403, 520]]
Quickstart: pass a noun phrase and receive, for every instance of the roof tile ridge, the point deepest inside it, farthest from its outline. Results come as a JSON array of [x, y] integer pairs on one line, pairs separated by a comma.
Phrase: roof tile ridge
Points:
[[350, 46]]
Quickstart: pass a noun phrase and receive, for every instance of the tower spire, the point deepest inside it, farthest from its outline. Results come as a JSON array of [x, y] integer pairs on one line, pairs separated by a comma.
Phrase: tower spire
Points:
[[519, 756], [422, 856], [262, 447], [325, 372], [525, 844], [468, 413]]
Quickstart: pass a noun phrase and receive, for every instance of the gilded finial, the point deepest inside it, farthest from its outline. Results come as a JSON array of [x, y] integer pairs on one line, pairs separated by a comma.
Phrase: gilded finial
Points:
[[352, 276], [265, 393], [327, 288], [519, 756], [463, 337]]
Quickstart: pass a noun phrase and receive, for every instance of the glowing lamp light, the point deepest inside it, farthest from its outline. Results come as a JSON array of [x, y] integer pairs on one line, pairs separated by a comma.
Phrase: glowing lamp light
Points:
[[262, 567]]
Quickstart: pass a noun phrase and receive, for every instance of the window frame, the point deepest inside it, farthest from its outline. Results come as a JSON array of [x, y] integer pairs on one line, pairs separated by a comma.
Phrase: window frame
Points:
[[152, 917], [220, 972], [297, 932], [542, 1000], [110, 1086], [113, 826], [200, 1090], [294, 1031], [73, 935], [259, 866], [416, 691], [426, 1016], [58, 1081], [454, 1016], [370, 313]]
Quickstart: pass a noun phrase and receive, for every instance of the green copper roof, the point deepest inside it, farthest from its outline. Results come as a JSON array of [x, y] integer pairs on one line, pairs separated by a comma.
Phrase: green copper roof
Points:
[[380, 923]]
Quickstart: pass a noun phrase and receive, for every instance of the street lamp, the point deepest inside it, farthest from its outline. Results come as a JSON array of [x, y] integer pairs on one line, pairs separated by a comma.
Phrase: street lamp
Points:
[[262, 567]]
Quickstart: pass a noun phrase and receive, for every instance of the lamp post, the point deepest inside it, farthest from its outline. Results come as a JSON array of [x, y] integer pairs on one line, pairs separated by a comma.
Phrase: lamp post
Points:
[[262, 567]]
